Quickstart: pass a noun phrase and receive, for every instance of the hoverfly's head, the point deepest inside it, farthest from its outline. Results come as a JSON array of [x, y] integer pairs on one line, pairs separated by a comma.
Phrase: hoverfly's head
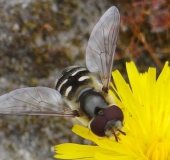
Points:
[[108, 122]]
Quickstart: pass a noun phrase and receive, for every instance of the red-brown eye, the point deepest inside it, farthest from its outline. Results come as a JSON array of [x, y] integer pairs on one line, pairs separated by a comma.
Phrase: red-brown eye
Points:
[[97, 126], [99, 123], [113, 112]]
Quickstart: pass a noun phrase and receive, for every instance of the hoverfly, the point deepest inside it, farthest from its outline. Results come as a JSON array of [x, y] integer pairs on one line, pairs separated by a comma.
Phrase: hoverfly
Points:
[[78, 92]]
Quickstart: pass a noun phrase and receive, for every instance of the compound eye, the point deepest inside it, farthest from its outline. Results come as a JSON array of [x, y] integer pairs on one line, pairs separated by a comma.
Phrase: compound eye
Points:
[[97, 126], [113, 112]]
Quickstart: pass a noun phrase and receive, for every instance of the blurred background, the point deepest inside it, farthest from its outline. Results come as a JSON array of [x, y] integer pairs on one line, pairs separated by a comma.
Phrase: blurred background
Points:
[[39, 38]]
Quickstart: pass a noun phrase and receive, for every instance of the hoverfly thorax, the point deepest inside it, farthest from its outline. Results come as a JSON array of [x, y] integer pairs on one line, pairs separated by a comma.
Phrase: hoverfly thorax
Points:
[[90, 100]]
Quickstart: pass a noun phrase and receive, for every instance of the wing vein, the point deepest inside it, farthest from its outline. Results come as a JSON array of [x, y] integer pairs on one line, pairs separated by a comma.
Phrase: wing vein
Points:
[[101, 45]]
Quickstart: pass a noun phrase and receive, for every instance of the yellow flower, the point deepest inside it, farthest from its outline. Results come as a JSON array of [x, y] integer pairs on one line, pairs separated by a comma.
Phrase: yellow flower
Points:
[[145, 102]]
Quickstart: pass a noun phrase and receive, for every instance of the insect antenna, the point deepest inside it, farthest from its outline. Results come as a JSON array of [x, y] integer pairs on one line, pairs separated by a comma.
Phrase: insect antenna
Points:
[[121, 132]]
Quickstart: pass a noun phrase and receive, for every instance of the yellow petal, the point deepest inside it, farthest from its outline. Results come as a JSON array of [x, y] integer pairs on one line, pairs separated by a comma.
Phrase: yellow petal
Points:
[[145, 103]]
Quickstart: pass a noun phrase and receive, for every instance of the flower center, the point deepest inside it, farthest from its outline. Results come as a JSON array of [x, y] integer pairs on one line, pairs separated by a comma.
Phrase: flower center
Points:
[[158, 149]]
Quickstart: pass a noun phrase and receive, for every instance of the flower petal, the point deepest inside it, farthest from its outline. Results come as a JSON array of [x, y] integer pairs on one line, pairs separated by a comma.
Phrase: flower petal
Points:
[[145, 104]]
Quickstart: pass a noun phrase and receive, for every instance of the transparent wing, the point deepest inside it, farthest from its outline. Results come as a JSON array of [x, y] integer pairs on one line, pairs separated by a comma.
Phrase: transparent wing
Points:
[[34, 101], [101, 45]]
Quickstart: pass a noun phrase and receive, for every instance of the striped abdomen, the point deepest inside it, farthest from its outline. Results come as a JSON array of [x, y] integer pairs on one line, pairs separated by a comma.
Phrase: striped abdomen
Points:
[[73, 79]]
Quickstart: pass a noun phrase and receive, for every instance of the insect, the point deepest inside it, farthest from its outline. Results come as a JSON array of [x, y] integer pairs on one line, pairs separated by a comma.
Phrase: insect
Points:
[[79, 92]]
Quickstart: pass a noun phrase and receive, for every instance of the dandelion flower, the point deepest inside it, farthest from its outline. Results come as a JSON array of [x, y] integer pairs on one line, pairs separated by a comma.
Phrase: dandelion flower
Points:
[[145, 103]]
